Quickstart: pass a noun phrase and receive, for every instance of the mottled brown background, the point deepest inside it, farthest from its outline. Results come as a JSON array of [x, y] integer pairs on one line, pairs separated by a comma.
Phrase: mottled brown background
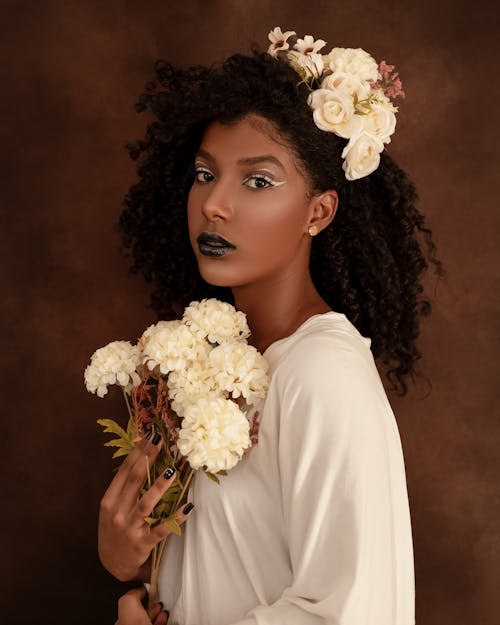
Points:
[[70, 73]]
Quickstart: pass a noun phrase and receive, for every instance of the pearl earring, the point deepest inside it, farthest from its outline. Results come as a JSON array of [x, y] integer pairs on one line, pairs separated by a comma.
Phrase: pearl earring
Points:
[[313, 231]]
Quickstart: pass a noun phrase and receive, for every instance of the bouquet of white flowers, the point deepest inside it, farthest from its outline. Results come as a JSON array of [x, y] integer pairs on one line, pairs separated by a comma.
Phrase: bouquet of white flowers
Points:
[[193, 381]]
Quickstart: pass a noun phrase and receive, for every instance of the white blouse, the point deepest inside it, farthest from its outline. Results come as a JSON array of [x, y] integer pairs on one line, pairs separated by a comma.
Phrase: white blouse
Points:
[[313, 525]]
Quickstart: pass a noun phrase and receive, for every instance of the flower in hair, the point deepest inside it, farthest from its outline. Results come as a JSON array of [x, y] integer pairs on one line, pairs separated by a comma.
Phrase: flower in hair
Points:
[[278, 40], [351, 96], [308, 45]]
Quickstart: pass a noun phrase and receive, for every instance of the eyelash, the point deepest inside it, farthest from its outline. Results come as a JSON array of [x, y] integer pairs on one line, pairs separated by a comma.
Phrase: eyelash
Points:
[[201, 171]]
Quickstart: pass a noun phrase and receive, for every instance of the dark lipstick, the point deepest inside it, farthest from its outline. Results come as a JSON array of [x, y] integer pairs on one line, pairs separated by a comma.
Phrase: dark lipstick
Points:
[[211, 244]]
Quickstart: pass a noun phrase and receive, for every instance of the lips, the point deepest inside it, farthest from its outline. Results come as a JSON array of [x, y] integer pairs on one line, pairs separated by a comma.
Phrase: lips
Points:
[[212, 244]]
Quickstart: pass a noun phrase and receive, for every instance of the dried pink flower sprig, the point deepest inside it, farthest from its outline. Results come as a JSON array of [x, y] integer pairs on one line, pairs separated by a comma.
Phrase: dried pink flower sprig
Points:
[[350, 96], [389, 81]]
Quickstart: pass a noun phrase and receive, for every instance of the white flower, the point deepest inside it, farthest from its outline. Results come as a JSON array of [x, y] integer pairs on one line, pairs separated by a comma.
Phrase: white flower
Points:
[[185, 387], [153, 329], [348, 83], [216, 321], [174, 347], [380, 121], [354, 61], [311, 64], [214, 434], [116, 363], [333, 111], [239, 369], [278, 40], [361, 155], [308, 45]]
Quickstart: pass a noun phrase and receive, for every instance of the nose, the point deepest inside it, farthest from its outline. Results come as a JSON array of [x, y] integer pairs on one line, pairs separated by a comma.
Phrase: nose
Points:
[[217, 204]]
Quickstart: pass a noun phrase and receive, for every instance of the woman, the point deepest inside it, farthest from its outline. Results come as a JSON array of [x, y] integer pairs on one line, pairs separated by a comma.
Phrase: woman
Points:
[[280, 185]]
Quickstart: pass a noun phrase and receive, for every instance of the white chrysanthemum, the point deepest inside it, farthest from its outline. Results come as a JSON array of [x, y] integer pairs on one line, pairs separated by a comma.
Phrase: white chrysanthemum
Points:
[[354, 61], [239, 369], [216, 321], [278, 40], [214, 434], [187, 386], [308, 45], [310, 64], [153, 329], [174, 348], [115, 363]]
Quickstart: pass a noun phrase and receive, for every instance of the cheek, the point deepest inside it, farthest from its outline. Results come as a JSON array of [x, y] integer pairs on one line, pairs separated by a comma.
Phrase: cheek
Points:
[[193, 214], [277, 224]]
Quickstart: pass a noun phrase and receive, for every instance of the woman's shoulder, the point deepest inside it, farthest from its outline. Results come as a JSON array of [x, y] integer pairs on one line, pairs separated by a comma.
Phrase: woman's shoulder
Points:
[[326, 351], [328, 336]]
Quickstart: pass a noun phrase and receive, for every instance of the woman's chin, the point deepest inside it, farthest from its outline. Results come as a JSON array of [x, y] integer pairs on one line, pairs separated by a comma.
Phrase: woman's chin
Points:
[[216, 274]]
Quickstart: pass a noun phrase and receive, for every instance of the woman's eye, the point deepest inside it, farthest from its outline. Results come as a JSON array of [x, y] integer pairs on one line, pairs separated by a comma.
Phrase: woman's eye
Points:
[[259, 182], [203, 175]]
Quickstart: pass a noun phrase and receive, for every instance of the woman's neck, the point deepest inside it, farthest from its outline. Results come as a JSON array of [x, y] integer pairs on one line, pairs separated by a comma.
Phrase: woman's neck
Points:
[[275, 309]]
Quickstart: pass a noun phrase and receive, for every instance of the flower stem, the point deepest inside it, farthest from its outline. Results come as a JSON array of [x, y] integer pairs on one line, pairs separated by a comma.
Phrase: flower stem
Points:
[[128, 404], [184, 488]]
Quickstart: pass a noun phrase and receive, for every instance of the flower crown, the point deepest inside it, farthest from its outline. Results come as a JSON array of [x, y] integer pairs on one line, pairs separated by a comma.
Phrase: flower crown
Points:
[[350, 96]]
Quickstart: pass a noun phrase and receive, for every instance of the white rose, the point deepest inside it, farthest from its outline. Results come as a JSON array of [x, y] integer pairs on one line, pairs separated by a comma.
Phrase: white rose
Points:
[[380, 121], [353, 61], [333, 111], [361, 155], [311, 64], [348, 83], [214, 434]]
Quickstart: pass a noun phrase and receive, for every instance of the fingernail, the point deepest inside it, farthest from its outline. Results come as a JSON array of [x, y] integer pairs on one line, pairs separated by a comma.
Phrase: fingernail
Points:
[[149, 435], [156, 438], [169, 472], [187, 508]]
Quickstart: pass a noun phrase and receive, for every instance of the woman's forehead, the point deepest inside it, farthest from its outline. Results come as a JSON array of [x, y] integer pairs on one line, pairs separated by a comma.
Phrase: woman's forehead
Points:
[[251, 136]]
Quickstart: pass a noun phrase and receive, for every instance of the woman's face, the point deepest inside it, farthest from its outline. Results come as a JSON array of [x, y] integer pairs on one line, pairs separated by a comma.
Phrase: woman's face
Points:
[[248, 208]]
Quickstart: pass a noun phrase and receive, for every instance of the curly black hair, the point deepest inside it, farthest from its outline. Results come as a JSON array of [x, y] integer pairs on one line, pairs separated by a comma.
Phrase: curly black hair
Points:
[[366, 264]]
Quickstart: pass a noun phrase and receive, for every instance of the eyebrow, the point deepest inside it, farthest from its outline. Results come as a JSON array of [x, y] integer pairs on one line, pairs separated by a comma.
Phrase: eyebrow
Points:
[[250, 160]]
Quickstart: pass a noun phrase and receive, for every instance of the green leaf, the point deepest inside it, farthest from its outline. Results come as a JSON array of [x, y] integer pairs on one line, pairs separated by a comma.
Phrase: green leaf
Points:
[[150, 520], [174, 527], [112, 426], [212, 477], [121, 452], [118, 442]]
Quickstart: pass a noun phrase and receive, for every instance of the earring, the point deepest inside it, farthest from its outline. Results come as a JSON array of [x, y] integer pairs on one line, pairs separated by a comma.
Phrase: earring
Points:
[[313, 231]]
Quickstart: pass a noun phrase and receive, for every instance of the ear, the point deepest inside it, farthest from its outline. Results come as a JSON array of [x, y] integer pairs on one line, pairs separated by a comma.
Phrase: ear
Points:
[[322, 210]]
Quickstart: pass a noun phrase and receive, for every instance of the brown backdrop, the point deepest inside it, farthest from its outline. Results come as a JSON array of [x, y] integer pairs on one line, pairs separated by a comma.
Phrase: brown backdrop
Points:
[[71, 71]]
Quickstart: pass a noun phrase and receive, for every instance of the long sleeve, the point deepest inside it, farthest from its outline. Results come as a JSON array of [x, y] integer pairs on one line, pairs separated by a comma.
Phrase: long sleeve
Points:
[[312, 526], [344, 498]]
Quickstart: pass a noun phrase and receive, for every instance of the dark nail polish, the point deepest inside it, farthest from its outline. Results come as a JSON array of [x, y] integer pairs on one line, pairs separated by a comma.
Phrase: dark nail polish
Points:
[[187, 508], [169, 472], [156, 439], [149, 435]]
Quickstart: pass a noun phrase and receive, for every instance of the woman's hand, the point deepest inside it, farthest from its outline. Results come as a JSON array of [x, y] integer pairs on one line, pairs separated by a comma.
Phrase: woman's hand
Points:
[[124, 539], [131, 612]]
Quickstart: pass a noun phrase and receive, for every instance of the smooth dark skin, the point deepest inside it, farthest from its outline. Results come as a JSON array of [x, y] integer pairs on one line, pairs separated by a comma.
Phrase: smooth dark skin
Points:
[[268, 273]]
